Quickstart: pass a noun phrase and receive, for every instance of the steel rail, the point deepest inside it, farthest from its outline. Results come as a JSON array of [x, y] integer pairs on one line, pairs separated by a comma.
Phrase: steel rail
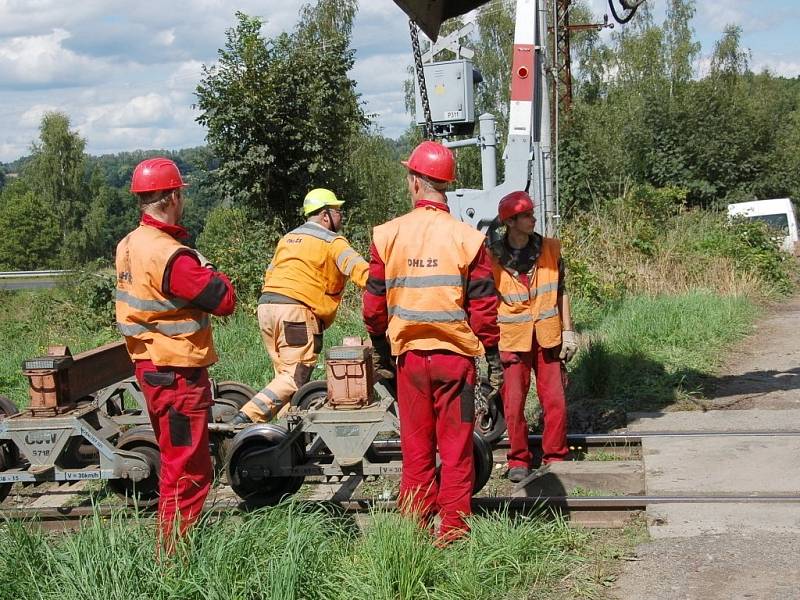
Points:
[[570, 504], [620, 439]]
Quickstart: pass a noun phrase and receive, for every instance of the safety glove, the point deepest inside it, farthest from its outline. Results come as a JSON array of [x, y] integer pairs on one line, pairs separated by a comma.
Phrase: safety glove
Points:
[[495, 371], [382, 359], [569, 345]]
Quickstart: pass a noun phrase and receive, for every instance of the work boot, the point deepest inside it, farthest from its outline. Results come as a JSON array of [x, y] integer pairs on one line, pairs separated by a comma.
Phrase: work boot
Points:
[[517, 474], [240, 419]]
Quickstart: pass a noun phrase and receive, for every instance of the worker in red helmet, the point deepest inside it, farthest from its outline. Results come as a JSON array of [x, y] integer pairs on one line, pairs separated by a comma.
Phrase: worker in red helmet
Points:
[[536, 331], [165, 293], [430, 289]]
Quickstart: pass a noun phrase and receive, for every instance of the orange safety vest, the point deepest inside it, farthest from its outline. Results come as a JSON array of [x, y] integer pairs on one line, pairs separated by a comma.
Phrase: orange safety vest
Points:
[[525, 309], [168, 331], [311, 265], [427, 254]]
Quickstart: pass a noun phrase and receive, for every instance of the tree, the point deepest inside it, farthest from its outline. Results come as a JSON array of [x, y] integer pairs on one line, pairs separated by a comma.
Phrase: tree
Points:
[[56, 171], [29, 230], [681, 47], [282, 114], [730, 60]]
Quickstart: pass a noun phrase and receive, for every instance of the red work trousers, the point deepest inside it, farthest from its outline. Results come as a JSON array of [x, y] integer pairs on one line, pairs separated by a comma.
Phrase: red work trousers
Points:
[[546, 367], [178, 400], [436, 400]]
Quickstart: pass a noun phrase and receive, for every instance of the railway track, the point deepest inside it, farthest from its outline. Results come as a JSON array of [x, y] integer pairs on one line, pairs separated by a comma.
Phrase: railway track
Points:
[[603, 511], [593, 510]]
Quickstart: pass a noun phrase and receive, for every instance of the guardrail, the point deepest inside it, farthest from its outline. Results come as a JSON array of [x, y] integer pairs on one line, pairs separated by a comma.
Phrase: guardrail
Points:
[[30, 280]]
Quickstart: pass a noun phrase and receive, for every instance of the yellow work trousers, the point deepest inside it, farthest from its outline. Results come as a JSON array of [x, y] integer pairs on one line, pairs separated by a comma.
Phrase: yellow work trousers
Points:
[[292, 335]]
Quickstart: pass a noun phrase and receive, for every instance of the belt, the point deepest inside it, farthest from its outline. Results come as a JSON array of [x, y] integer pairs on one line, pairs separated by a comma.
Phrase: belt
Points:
[[275, 298]]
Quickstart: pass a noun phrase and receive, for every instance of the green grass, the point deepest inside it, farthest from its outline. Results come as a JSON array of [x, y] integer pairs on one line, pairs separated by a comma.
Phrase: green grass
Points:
[[32, 321], [296, 551], [649, 353], [242, 354]]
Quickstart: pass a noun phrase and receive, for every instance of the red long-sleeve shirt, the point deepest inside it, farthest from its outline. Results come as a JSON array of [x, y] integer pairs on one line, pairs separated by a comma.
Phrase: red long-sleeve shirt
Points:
[[184, 278], [480, 304]]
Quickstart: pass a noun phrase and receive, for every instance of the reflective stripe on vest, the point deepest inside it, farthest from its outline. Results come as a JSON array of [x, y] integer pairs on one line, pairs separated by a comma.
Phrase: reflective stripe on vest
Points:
[[317, 232], [524, 297], [526, 318], [148, 305], [167, 328], [527, 311], [427, 316], [342, 259], [424, 281], [168, 331]]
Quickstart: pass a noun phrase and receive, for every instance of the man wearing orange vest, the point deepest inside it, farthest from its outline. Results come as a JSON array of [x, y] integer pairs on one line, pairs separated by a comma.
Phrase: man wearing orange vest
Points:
[[303, 287], [165, 292], [430, 288], [534, 308]]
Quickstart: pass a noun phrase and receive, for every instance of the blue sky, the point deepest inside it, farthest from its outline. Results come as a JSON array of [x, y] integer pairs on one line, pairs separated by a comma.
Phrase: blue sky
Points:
[[125, 72]]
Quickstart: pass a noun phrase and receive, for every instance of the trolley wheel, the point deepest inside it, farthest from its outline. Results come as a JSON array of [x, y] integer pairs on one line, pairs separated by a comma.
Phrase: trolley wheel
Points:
[[483, 459], [491, 424], [250, 462], [9, 455], [141, 439], [237, 395], [311, 395]]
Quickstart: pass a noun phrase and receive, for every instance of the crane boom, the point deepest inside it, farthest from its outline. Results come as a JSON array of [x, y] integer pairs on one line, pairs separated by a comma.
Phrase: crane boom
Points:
[[528, 157], [429, 14]]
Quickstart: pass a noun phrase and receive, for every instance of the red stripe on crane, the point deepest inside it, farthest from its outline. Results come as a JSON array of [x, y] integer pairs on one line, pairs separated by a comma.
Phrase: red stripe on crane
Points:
[[522, 72]]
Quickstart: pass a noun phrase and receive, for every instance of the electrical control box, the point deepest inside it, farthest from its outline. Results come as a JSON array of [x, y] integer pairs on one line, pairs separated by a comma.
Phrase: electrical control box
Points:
[[450, 86]]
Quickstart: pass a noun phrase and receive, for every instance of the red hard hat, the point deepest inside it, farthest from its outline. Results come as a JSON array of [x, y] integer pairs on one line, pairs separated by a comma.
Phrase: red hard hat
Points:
[[432, 160], [156, 174], [513, 204]]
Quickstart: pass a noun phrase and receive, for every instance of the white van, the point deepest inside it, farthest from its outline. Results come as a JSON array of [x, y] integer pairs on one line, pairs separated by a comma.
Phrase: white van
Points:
[[777, 213]]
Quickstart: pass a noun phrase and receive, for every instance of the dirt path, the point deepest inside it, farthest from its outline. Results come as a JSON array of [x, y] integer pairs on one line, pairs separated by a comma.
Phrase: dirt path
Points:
[[763, 372]]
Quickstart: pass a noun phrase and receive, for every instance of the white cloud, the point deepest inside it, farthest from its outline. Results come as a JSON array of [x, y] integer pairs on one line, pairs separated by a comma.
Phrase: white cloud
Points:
[[719, 13], [31, 17], [166, 37], [42, 61], [11, 151], [381, 72], [125, 72], [186, 76], [777, 66], [142, 111]]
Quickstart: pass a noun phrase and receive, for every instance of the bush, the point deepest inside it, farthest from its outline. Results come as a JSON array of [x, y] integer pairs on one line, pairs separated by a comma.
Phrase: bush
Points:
[[240, 246], [91, 297], [753, 248], [647, 243]]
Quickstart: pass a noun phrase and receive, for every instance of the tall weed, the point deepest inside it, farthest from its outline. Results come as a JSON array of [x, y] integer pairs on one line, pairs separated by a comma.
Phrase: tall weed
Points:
[[646, 242], [291, 552]]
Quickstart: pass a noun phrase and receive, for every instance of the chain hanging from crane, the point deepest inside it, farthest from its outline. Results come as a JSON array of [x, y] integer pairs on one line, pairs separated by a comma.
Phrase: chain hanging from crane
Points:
[[423, 90], [629, 5]]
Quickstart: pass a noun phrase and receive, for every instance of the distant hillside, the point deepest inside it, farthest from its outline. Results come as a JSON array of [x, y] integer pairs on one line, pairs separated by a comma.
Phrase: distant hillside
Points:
[[16, 166], [117, 168]]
